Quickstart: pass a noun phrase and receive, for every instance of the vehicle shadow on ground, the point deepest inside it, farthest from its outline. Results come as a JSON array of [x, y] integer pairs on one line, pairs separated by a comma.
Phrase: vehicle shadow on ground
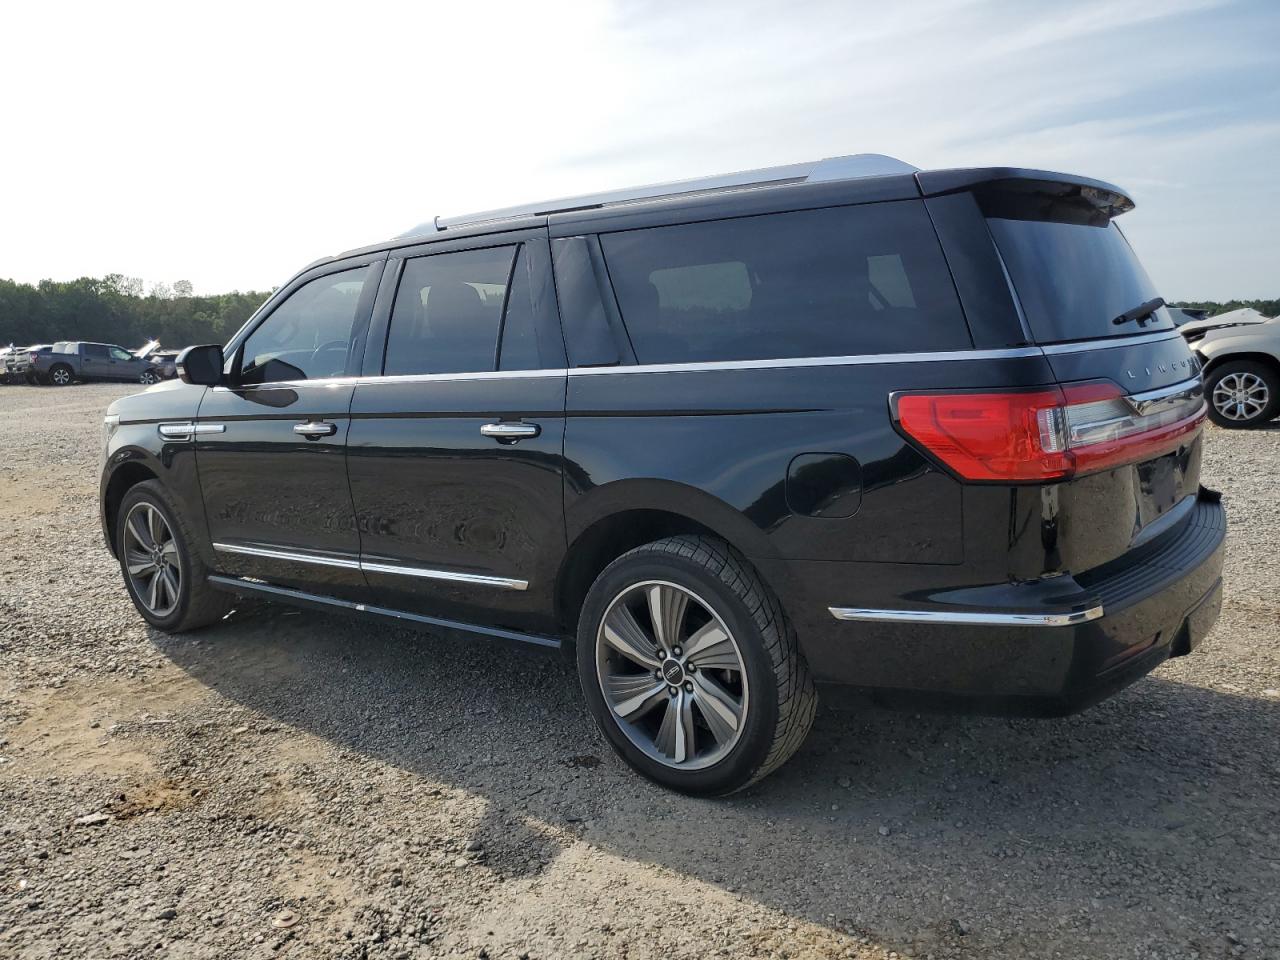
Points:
[[911, 829]]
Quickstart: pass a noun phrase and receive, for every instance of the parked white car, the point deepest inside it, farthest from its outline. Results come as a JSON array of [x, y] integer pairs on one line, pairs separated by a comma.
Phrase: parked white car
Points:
[[1241, 359]]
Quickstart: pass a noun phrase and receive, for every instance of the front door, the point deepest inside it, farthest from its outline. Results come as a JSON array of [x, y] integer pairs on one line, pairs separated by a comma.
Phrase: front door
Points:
[[123, 365], [457, 428], [270, 446]]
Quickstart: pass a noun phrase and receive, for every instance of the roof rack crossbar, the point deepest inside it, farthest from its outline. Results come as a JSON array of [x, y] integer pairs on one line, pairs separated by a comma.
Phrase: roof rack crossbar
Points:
[[833, 168]]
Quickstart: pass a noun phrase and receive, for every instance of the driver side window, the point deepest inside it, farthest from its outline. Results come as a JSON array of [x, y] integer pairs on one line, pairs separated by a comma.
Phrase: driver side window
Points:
[[308, 336]]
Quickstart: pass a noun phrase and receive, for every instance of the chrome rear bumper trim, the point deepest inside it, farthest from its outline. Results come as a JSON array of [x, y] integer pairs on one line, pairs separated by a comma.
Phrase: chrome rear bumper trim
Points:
[[984, 619]]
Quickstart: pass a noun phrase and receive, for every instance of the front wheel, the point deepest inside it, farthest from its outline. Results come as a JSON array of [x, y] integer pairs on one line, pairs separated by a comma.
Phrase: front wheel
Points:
[[1243, 393], [148, 377], [691, 669], [163, 572], [61, 375]]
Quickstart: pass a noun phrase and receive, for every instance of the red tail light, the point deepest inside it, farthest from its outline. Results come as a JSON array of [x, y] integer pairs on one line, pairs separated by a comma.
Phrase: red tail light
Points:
[[1047, 434]]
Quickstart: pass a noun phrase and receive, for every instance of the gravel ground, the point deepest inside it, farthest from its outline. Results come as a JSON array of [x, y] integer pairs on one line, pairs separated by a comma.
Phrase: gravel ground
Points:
[[287, 784]]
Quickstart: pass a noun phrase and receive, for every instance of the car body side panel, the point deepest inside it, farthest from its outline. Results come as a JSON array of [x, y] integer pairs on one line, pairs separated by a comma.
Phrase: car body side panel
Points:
[[731, 435], [1259, 338], [137, 441]]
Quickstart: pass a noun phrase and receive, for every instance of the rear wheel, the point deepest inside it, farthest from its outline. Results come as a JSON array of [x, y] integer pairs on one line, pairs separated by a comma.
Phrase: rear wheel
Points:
[[1243, 393], [690, 668], [148, 377], [61, 375], [163, 572]]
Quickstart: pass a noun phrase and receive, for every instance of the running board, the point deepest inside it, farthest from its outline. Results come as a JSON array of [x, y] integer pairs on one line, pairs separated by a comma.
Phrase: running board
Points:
[[317, 601]]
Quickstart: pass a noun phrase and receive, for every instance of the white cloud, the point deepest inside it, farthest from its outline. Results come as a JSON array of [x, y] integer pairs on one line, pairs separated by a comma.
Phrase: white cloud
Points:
[[231, 143]]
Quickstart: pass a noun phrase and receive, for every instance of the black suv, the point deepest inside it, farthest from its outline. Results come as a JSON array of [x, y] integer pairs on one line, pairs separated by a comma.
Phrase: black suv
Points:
[[927, 433]]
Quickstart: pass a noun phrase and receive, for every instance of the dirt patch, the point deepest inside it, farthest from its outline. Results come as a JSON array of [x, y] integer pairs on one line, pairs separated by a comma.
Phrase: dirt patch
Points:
[[101, 728], [156, 796]]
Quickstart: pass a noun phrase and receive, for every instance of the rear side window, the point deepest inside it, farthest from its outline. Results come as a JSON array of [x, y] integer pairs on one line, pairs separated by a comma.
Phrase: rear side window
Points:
[[837, 282], [1072, 268], [98, 351]]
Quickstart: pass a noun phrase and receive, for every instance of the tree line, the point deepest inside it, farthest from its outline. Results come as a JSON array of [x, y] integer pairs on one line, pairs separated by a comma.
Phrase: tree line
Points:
[[114, 309], [1268, 308]]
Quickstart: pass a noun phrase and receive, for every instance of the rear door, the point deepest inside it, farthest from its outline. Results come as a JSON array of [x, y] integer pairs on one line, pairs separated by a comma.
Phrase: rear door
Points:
[[95, 361], [270, 447], [456, 447]]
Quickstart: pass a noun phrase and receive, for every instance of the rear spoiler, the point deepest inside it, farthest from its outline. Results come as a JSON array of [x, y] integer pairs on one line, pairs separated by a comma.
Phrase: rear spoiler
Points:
[[1105, 198]]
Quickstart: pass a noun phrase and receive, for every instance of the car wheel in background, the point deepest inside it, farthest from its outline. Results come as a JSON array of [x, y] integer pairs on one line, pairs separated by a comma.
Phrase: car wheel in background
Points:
[[149, 377], [690, 667], [61, 375], [165, 576], [1242, 393]]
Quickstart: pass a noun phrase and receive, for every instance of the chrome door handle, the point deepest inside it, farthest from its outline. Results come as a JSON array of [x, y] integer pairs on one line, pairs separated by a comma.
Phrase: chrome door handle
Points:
[[315, 430], [510, 431]]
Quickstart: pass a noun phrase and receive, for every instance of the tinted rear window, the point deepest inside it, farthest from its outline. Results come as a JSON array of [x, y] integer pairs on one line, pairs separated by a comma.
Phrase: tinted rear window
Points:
[[1072, 268], [836, 282]]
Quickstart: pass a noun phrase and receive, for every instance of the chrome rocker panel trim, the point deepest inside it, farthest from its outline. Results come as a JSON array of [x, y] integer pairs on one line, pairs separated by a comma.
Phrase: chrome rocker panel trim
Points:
[[268, 591], [367, 566], [1069, 619]]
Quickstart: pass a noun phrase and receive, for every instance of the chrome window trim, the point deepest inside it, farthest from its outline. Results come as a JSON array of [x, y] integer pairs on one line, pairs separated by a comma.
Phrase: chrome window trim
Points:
[[696, 366], [369, 566], [478, 375], [782, 363], [1107, 342], [984, 619]]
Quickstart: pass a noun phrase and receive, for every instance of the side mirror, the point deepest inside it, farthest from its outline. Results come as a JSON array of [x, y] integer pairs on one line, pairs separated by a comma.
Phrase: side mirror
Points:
[[201, 365]]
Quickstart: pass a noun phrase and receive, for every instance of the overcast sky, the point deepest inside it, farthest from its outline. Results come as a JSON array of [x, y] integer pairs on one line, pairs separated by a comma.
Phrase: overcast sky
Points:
[[229, 144]]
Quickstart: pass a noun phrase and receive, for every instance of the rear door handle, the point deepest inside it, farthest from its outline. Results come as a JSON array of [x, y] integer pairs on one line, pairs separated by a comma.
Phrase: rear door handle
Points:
[[315, 430], [511, 431]]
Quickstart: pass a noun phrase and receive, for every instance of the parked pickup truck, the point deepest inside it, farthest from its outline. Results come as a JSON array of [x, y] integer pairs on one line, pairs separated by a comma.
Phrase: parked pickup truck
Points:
[[19, 363], [96, 361]]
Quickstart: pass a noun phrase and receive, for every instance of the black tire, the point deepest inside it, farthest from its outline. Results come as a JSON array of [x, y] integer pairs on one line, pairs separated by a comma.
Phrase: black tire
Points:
[[1243, 372], [61, 375], [148, 377], [198, 604], [783, 701]]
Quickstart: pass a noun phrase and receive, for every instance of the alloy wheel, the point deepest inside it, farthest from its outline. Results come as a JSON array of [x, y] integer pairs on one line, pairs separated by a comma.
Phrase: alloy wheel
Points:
[[672, 674], [61, 376], [1240, 396], [151, 559], [148, 377]]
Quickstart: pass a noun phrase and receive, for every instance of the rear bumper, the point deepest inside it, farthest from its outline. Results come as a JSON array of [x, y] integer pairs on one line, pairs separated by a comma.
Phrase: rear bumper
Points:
[[1050, 647]]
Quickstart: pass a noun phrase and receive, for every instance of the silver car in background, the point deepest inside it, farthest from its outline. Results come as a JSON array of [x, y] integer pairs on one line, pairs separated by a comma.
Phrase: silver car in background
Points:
[[1241, 360]]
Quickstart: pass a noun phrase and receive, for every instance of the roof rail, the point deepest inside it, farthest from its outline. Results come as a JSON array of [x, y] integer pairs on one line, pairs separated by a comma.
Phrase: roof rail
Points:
[[833, 168]]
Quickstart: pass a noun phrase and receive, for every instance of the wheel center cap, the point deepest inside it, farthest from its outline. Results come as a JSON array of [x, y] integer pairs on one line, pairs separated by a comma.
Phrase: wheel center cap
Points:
[[672, 672]]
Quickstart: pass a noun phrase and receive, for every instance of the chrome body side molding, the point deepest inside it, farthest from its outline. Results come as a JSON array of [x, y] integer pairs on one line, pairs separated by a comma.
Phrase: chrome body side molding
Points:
[[371, 566], [983, 619]]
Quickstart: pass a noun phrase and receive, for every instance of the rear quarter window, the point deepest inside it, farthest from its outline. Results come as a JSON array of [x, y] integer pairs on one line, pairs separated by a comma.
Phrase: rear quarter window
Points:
[[836, 282]]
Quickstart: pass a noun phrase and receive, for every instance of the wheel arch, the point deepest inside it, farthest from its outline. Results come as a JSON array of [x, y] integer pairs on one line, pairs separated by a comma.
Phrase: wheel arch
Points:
[[123, 478], [1257, 356], [620, 516]]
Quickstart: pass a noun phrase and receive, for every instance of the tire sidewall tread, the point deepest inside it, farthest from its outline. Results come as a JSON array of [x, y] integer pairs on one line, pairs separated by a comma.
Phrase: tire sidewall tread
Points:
[[783, 701], [1266, 373], [199, 604]]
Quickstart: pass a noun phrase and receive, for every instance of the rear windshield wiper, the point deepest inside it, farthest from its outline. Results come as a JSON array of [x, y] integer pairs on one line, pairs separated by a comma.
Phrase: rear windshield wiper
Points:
[[1142, 312]]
